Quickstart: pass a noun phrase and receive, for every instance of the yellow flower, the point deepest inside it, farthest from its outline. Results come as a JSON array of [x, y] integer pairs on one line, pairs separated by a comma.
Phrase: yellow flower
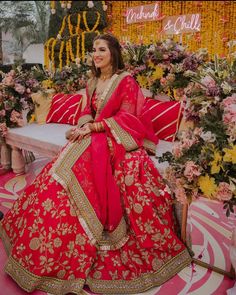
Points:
[[47, 84], [216, 163], [142, 80], [151, 65], [207, 185], [158, 73], [230, 154], [32, 118]]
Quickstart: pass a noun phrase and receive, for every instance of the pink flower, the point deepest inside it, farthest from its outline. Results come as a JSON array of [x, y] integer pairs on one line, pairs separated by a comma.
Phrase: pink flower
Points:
[[16, 117], [177, 150], [180, 193], [3, 129], [8, 81], [191, 170], [19, 88], [224, 192], [2, 113]]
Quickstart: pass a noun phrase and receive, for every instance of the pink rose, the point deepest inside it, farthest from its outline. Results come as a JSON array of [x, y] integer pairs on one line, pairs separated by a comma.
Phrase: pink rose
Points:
[[3, 129], [180, 193], [19, 88], [191, 170], [224, 192]]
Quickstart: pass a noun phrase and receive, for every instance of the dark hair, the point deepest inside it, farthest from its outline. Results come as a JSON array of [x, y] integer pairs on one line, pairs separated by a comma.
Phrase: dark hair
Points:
[[116, 56]]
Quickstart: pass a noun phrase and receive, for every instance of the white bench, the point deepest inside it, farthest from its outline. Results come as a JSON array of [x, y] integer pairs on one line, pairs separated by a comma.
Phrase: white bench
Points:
[[46, 140]]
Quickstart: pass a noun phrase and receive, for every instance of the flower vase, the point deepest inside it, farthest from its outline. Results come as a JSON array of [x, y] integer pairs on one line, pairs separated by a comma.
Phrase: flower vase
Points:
[[232, 253]]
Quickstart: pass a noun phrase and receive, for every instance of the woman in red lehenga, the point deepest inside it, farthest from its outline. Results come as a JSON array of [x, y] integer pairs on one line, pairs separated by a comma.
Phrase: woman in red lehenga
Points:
[[99, 214]]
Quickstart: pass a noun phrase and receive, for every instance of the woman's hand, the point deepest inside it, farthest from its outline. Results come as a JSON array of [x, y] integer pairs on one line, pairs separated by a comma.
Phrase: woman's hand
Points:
[[78, 133]]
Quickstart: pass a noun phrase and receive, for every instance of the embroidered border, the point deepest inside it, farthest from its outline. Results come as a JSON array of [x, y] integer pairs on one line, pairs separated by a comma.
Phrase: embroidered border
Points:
[[114, 82], [121, 136], [62, 172], [84, 119], [145, 281], [149, 145], [29, 281]]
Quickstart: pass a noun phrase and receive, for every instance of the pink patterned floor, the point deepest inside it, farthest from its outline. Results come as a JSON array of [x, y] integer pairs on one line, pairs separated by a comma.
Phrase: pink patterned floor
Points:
[[211, 234]]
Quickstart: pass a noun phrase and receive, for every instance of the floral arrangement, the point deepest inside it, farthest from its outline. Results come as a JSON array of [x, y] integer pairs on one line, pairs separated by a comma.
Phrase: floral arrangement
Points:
[[165, 67], [69, 79], [203, 162], [16, 105], [135, 57]]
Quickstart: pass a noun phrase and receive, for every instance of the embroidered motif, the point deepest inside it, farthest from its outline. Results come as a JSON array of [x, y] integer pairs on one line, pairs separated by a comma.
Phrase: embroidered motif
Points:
[[121, 136]]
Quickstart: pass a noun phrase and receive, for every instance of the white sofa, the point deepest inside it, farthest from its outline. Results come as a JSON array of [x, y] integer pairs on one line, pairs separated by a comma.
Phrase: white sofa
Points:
[[47, 140]]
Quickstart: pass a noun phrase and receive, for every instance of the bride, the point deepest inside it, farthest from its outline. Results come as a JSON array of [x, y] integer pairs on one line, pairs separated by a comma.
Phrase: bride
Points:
[[99, 214]]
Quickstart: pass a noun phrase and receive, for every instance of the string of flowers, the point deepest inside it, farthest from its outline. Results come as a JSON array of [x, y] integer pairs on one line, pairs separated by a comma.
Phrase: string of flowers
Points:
[[77, 28], [60, 54], [46, 52], [86, 24]]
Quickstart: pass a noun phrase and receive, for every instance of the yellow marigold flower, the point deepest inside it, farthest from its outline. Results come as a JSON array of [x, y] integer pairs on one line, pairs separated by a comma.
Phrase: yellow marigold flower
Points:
[[47, 84], [32, 118], [207, 185], [158, 73], [151, 65], [230, 154], [142, 80], [216, 163]]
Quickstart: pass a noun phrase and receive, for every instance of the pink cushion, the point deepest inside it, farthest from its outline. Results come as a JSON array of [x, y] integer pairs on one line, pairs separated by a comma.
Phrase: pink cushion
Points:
[[165, 117], [65, 109]]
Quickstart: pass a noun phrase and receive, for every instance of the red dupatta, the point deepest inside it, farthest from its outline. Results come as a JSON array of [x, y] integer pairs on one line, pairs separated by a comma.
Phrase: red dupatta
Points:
[[85, 168]]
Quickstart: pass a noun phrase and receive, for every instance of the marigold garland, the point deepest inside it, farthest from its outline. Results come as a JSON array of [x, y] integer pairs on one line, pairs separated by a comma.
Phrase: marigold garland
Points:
[[46, 52], [83, 45], [63, 25], [60, 55], [53, 55], [70, 26], [67, 52], [86, 24], [77, 46], [72, 56]]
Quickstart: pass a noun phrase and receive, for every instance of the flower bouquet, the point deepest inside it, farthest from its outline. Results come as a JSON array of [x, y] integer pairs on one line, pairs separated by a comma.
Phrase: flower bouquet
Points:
[[171, 67], [16, 105], [135, 57], [203, 161], [69, 79]]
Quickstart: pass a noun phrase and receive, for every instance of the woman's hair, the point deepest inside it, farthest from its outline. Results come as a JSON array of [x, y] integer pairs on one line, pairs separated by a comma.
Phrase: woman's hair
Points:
[[116, 56]]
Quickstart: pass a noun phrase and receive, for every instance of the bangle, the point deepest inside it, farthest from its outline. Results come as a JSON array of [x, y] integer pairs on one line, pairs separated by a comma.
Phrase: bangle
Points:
[[97, 127]]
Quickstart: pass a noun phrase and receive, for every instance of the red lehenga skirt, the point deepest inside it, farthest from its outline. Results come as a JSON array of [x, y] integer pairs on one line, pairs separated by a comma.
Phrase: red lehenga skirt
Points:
[[49, 249]]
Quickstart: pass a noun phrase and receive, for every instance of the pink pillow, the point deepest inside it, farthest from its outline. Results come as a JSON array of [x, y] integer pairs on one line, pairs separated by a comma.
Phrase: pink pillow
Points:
[[65, 109], [165, 117]]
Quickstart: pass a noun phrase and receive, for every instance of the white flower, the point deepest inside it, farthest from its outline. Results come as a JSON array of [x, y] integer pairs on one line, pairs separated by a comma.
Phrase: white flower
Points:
[[208, 136], [104, 7], [231, 43], [226, 87], [90, 4], [189, 73]]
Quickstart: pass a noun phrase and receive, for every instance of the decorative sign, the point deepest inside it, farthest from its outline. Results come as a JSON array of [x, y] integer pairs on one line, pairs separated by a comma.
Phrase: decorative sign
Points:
[[143, 13], [188, 23]]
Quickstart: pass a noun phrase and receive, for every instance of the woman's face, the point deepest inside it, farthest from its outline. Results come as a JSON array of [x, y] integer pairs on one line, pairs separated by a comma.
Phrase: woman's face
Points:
[[101, 54]]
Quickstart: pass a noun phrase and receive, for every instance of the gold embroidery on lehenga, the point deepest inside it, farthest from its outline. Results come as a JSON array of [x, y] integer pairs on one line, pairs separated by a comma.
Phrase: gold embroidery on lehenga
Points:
[[121, 135], [62, 172], [143, 282]]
